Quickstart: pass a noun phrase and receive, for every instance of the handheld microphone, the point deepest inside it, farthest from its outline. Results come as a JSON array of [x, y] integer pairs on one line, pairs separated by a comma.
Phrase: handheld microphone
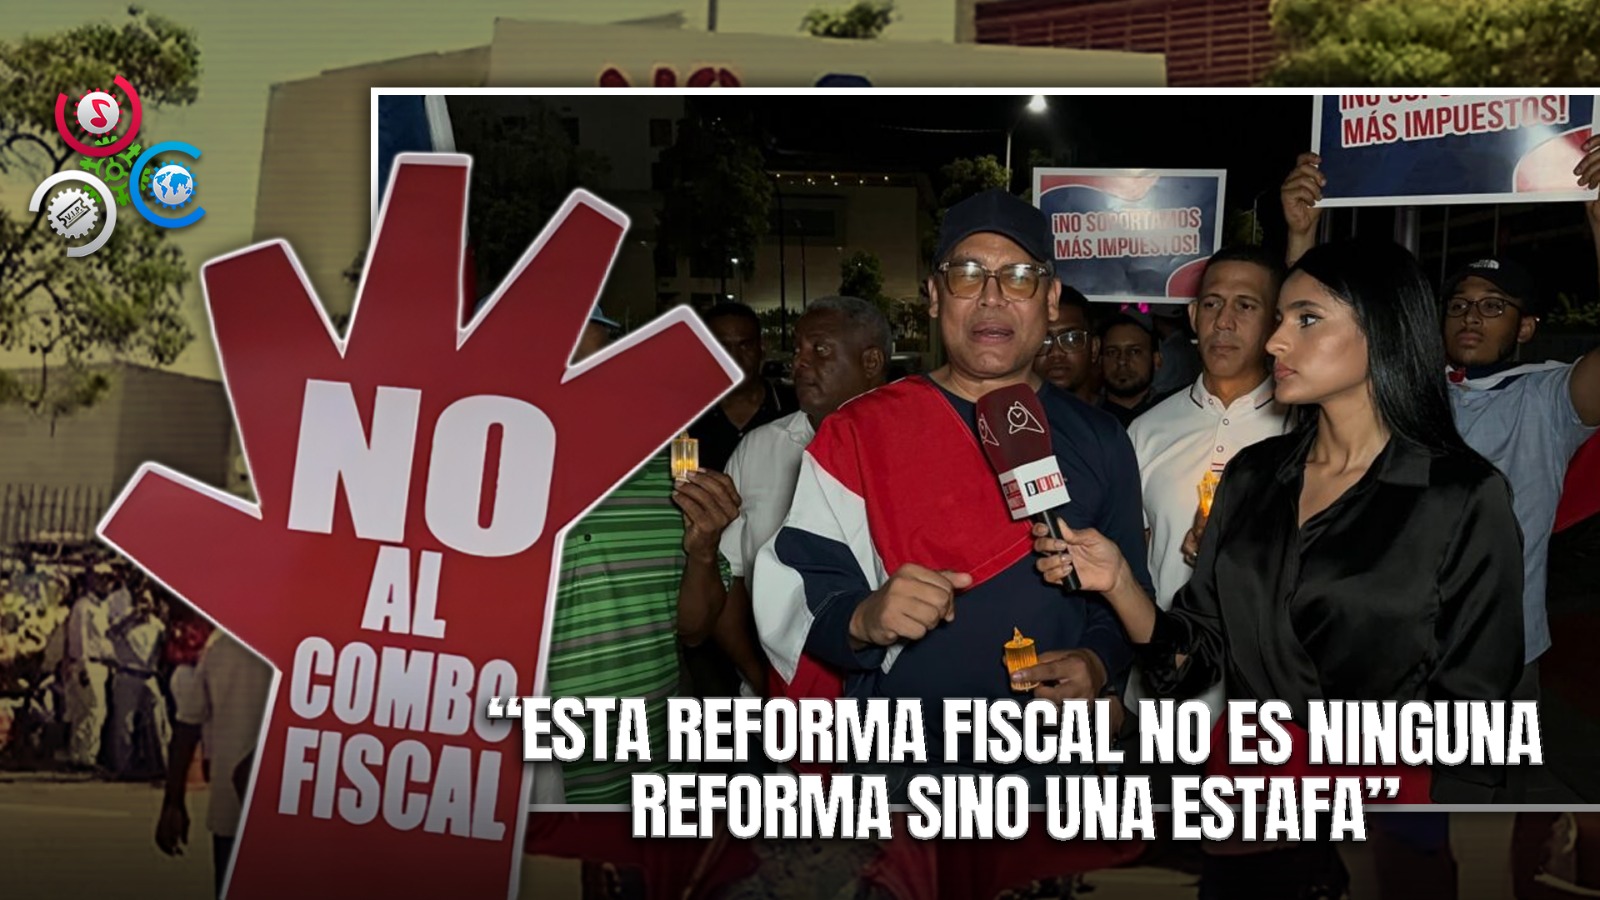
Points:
[[1014, 435]]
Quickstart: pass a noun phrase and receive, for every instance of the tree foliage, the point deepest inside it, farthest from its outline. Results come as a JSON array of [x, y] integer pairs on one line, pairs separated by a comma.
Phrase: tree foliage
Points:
[[1486, 43], [959, 179], [525, 165], [861, 275], [866, 20], [124, 301], [718, 202]]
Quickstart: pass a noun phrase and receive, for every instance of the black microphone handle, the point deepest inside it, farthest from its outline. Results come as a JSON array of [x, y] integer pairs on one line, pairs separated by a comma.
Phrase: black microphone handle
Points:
[[1048, 518]]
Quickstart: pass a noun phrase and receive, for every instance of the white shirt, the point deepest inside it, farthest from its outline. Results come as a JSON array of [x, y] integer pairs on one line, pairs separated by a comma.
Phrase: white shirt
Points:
[[87, 627], [1177, 441], [228, 699], [764, 468]]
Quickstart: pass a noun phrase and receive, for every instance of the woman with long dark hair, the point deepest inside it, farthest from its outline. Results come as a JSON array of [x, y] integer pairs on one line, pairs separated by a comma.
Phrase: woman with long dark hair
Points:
[[1367, 555]]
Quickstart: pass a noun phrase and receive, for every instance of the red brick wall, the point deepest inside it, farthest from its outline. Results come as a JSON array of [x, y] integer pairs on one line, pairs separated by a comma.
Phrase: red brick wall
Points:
[[1207, 43]]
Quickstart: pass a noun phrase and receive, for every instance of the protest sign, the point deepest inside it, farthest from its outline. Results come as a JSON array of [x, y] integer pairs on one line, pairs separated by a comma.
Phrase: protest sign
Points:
[[413, 481], [1420, 149], [1132, 235]]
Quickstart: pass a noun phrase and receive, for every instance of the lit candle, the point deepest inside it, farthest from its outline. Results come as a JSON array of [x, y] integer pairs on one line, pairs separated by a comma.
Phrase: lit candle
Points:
[[1208, 492], [685, 456], [1020, 654]]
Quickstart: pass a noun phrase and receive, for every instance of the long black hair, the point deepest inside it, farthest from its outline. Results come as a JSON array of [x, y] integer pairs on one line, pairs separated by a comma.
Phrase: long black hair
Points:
[[1395, 308]]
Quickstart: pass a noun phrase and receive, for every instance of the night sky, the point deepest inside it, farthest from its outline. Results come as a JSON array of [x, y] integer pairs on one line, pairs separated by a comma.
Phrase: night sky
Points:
[[1254, 137]]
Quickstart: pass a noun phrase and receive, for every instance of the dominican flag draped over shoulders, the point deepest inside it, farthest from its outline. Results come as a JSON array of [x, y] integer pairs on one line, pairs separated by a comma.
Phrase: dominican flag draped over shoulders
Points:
[[417, 123]]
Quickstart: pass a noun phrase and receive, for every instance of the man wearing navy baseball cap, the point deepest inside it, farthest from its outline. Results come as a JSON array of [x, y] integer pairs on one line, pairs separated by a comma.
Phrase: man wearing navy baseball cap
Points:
[[899, 571]]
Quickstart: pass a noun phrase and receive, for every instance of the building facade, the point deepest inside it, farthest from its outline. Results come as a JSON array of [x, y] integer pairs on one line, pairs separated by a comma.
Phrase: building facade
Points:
[[1207, 43], [62, 474]]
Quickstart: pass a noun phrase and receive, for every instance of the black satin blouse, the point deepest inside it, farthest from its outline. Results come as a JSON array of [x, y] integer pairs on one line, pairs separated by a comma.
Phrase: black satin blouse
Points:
[[1408, 587]]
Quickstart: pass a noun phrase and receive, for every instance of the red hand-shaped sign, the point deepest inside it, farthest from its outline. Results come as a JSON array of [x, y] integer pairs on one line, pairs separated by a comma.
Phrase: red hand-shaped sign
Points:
[[413, 481]]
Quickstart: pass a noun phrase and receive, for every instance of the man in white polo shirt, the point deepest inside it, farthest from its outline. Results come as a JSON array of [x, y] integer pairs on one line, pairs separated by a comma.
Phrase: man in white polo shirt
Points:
[[842, 347], [1196, 431]]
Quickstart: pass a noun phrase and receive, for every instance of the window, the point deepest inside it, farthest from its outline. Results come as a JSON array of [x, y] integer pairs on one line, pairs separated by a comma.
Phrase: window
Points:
[[660, 133], [818, 224], [701, 270], [666, 263]]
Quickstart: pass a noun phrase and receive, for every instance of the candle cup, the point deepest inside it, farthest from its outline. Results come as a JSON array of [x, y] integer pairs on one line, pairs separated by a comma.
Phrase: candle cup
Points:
[[1208, 492], [685, 457], [1020, 654]]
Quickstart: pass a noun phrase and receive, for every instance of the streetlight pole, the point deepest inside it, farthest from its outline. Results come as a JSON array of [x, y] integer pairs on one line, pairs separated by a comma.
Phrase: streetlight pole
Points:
[[783, 269], [804, 297], [1037, 105]]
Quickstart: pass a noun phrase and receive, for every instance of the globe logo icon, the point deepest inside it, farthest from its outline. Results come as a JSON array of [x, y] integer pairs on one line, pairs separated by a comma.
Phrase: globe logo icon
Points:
[[172, 185]]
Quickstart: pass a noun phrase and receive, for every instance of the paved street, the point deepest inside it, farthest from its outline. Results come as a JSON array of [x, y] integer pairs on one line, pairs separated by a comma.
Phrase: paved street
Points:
[[95, 840]]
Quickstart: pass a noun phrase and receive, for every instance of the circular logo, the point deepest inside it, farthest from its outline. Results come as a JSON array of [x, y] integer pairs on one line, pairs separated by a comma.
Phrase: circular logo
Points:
[[172, 185], [98, 112], [72, 214]]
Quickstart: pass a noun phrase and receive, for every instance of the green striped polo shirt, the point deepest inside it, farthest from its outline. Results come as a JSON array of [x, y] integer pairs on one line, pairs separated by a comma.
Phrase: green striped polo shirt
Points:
[[615, 631]]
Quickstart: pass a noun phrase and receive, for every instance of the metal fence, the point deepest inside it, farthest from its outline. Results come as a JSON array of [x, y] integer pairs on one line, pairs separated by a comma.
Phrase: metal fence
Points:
[[36, 512]]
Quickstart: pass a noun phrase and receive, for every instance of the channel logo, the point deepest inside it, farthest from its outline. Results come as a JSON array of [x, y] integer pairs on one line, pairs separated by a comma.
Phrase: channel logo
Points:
[[103, 126]]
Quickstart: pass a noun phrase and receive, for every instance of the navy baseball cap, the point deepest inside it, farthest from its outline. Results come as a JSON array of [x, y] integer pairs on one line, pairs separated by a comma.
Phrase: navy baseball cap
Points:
[[1505, 274], [598, 316], [996, 211]]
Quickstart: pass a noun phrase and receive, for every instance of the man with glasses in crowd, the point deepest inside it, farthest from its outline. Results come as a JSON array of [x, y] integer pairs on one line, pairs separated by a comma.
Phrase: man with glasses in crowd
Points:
[[1070, 357], [899, 568]]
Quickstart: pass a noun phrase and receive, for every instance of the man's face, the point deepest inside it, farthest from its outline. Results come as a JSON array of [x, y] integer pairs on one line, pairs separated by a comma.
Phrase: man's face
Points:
[[1128, 358], [831, 363], [1068, 368], [992, 335], [742, 339], [1474, 339], [1232, 318]]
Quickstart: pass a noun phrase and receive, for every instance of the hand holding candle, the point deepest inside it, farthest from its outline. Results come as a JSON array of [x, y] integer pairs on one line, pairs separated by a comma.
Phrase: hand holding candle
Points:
[[685, 456], [1020, 654], [1208, 492]]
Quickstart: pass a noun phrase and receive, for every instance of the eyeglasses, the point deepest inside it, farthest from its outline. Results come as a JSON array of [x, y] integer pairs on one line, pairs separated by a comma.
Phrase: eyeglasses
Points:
[[1069, 341], [1488, 307], [966, 280]]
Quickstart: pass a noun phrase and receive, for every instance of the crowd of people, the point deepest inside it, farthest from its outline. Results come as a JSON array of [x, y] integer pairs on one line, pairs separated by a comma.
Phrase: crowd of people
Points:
[[1321, 479], [93, 654]]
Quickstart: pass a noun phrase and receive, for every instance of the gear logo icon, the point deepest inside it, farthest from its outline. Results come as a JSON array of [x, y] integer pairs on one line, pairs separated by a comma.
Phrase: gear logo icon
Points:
[[172, 185], [113, 170], [72, 213], [98, 113]]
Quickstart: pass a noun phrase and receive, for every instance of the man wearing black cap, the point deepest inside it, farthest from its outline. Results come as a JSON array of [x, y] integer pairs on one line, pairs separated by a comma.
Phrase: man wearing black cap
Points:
[[899, 569]]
